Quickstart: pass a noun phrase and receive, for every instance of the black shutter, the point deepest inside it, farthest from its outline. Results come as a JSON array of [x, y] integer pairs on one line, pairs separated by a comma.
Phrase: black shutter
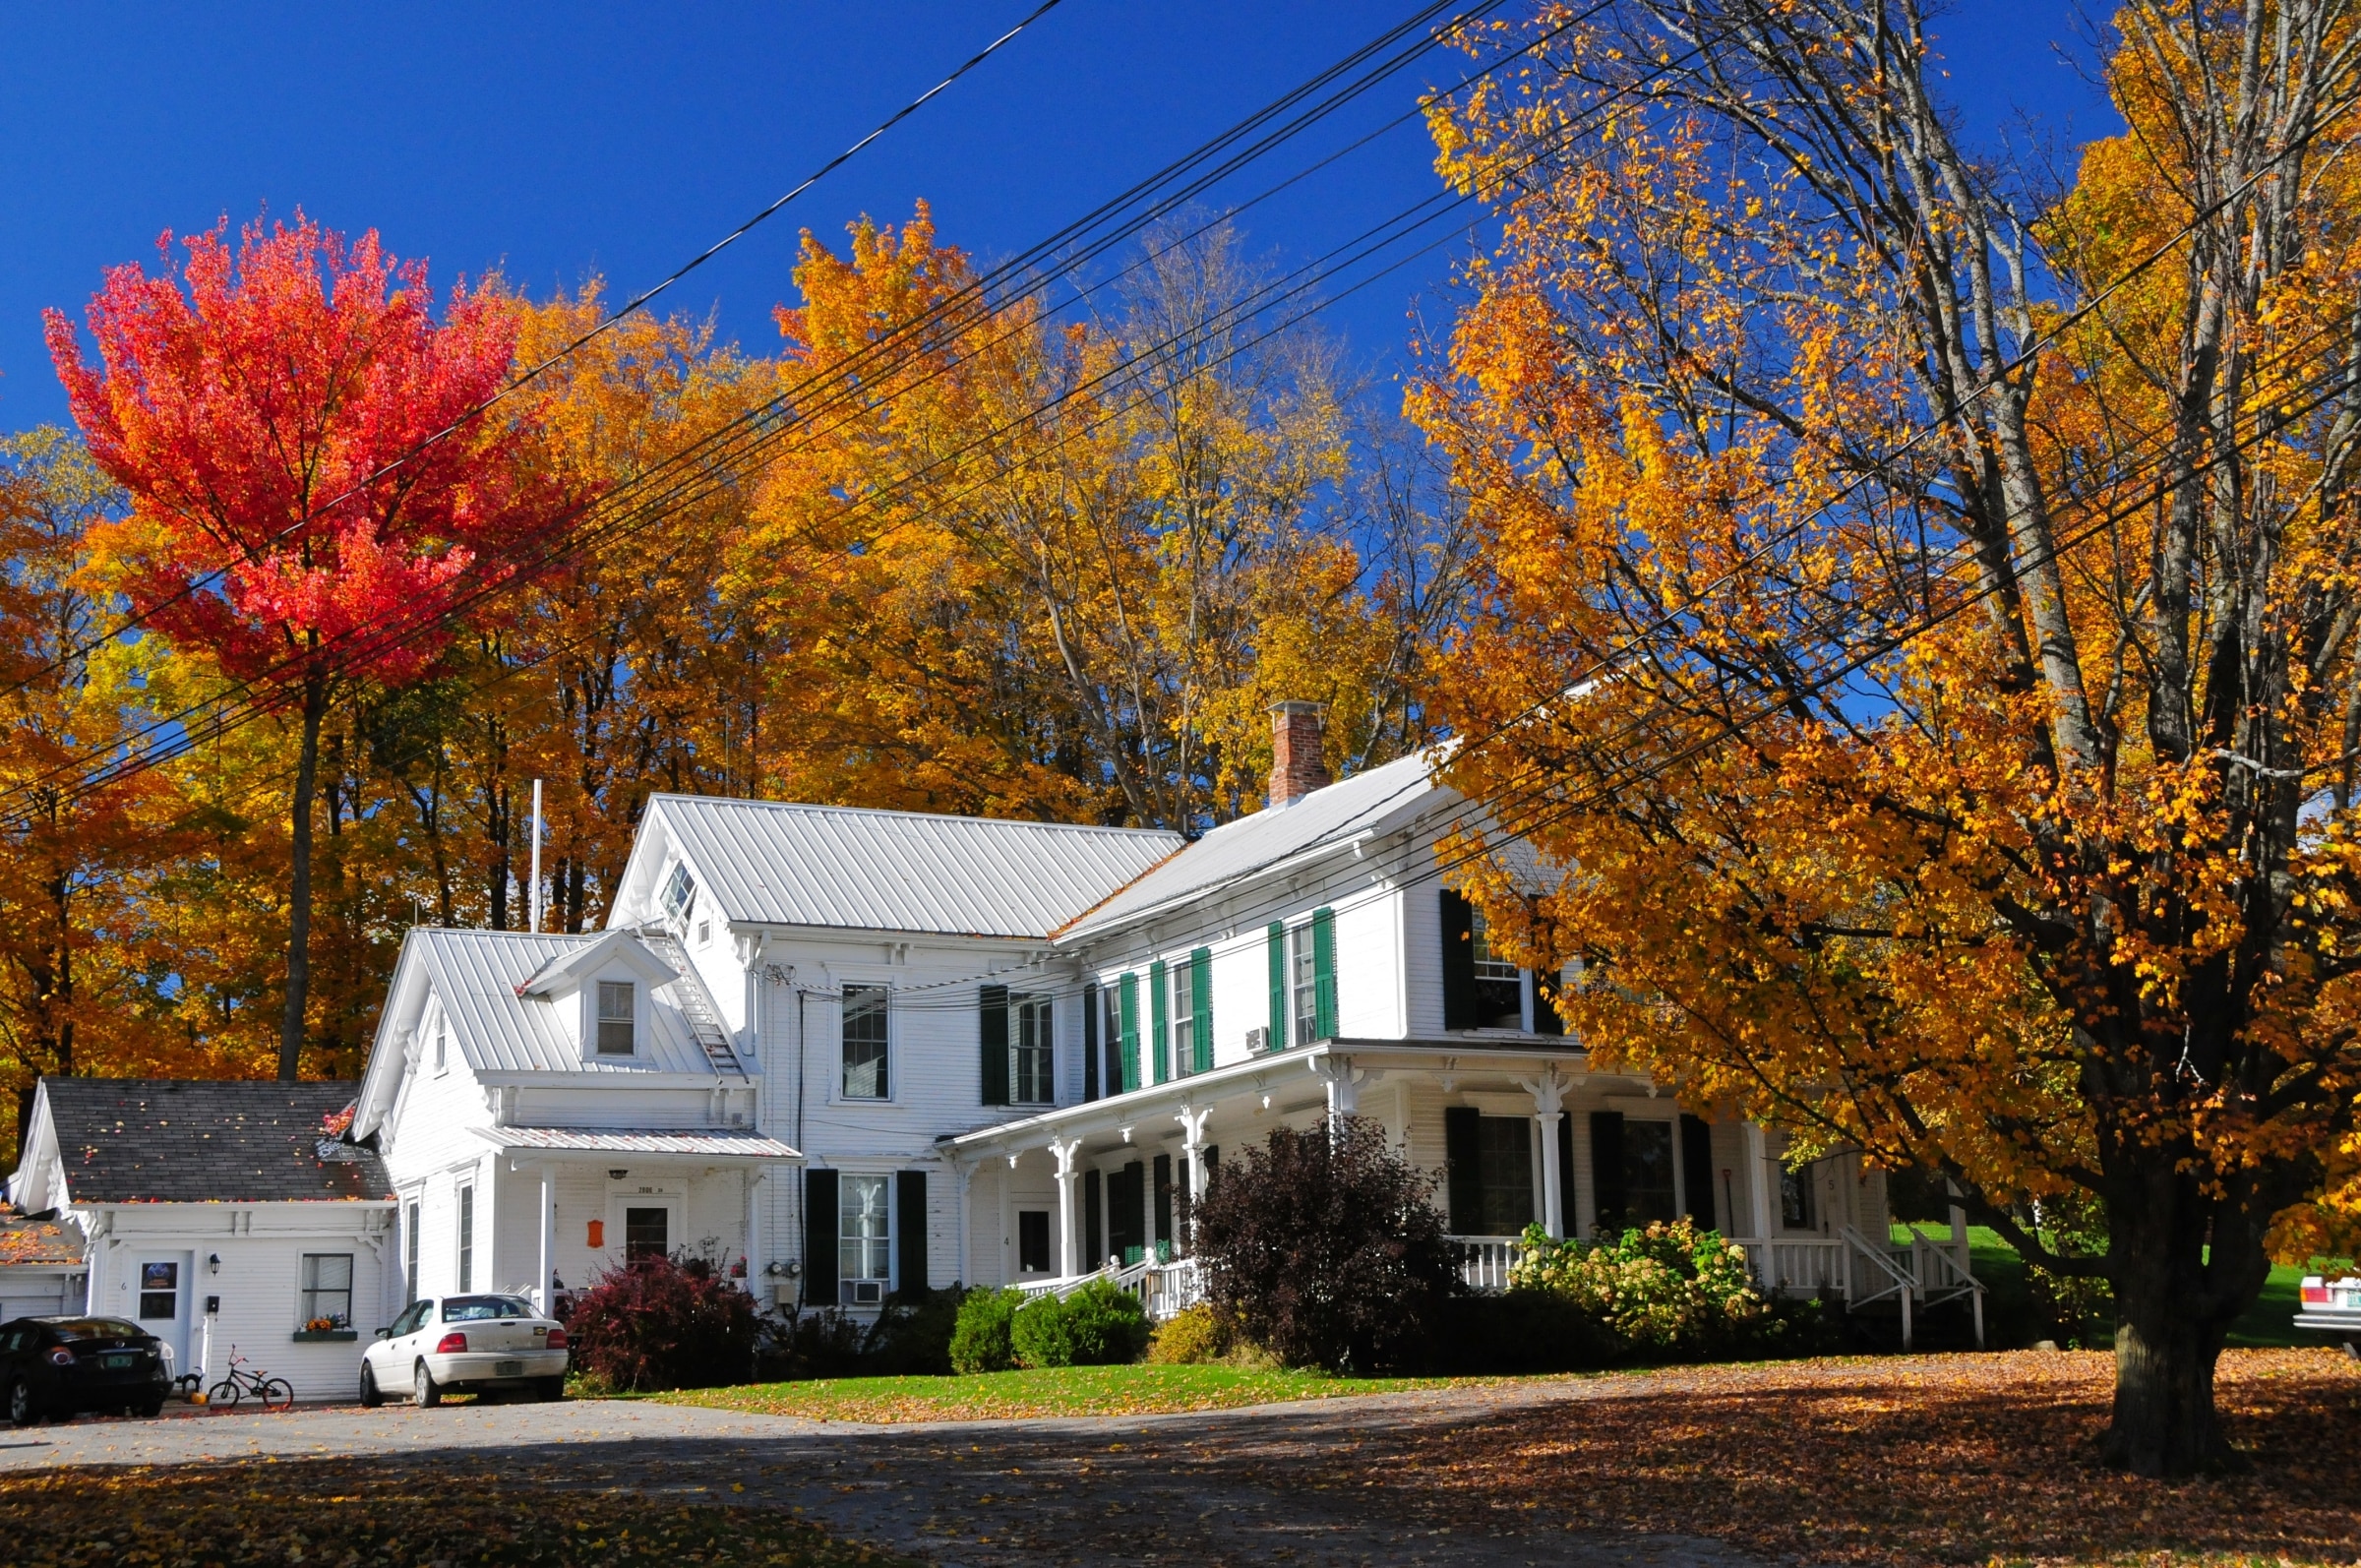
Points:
[[1565, 1175], [1606, 1168], [1094, 1240], [1163, 1198], [1697, 1169], [1546, 1020], [1463, 1148], [820, 1239], [910, 1229], [1090, 1043], [1459, 963], [995, 1033]]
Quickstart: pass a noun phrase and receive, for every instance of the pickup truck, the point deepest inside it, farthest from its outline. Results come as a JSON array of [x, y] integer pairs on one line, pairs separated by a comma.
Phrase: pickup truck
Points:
[[2331, 1306]]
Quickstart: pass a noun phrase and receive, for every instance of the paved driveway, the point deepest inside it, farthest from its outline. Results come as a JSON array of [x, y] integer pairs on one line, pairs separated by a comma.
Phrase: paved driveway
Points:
[[1098, 1490]]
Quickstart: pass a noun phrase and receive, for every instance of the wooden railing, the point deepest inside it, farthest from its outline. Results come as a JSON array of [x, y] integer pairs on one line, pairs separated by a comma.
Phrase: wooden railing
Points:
[[1485, 1261]]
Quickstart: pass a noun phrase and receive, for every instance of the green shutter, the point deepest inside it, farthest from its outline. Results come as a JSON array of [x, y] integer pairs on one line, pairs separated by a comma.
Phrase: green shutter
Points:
[[993, 1031], [1323, 973], [1279, 1020], [1200, 1002], [1160, 1028], [820, 1239], [1127, 996]]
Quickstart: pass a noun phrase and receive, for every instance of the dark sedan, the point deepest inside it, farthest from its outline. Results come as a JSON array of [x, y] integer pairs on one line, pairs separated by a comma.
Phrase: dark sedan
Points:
[[51, 1368]]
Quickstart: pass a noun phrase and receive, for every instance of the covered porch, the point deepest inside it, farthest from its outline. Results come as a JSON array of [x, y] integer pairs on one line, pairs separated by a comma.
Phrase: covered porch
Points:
[[580, 1201]]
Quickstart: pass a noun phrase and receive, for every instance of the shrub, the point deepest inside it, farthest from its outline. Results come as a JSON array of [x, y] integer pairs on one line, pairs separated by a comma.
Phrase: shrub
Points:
[[913, 1334], [1665, 1293], [1037, 1334], [821, 1343], [663, 1322], [1325, 1246], [980, 1336], [1097, 1325], [1187, 1339]]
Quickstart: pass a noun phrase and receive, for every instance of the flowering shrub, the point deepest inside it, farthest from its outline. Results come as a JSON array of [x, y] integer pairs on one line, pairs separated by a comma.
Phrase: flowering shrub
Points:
[[1669, 1292], [663, 1322]]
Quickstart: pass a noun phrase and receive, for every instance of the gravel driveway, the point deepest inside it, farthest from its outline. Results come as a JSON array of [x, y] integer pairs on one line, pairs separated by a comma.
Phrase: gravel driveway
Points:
[[1091, 1490]]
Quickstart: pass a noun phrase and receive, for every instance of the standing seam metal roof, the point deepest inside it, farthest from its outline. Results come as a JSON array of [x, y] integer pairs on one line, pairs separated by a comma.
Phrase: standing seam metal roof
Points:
[[774, 863], [477, 973]]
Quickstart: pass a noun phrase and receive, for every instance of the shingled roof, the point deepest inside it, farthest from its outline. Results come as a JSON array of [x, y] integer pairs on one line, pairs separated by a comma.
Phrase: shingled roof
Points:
[[163, 1140]]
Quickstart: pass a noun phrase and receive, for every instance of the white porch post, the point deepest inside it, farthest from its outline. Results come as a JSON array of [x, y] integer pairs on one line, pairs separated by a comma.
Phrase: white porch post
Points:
[[965, 1173], [548, 1239], [1193, 1149], [1758, 1180], [1549, 1090], [752, 1250], [1069, 1239], [1344, 1083]]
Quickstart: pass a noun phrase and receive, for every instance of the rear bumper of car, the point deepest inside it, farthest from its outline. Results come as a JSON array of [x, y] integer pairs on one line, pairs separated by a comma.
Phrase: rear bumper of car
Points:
[[494, 1366], [2329, 1319], [88, 1391]]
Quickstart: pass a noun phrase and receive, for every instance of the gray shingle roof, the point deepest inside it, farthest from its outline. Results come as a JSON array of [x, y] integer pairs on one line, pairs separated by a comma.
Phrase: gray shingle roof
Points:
[[163, 1140]]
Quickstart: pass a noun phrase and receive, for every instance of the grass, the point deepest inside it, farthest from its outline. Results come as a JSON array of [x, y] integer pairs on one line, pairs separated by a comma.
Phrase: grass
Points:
[[338, 1511], [1139, 1390], [2013, 1321]]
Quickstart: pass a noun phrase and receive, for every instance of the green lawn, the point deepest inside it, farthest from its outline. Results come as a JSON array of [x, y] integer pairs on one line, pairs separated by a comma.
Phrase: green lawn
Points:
[[1062, 1391], [2011, 1321]]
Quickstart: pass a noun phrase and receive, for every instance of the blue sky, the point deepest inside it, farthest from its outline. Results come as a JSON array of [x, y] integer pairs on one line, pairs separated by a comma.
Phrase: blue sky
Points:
[[557, 140]]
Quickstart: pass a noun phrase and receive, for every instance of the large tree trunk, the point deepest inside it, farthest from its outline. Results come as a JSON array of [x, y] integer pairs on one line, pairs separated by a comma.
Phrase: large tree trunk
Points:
[[299, 882]]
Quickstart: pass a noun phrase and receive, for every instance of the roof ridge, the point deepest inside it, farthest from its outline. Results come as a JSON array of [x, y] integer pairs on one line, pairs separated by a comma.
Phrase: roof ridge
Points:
[[896, 811]]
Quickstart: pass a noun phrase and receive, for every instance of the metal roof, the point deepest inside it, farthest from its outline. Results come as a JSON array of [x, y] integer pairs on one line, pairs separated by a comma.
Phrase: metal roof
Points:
[[1327, 818], [774, 863], [600, 1140], [164, 1140], [476, 973]]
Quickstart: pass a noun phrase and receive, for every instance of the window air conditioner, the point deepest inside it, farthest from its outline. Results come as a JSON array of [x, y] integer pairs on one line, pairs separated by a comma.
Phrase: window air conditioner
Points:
[[1258, 1040]]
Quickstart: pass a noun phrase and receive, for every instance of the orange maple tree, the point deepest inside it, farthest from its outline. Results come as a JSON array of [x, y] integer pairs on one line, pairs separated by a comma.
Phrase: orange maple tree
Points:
[[280, 415], [1921, 621]]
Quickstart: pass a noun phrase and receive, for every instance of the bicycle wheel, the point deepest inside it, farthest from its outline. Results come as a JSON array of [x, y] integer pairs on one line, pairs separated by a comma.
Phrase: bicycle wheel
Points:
[[223, 1393], [278, 1393]]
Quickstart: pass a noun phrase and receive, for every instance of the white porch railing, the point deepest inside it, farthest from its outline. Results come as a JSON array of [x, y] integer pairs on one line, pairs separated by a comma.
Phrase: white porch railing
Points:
[[1164, 1289], [1805, 1266], [1485, 1261]]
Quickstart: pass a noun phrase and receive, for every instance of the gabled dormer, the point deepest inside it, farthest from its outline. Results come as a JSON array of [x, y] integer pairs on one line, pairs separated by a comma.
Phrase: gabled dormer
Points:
[[599, 995]]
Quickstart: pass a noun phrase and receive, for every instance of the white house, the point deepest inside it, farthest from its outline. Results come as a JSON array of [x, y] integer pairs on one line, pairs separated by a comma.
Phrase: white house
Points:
[[220, 1217]]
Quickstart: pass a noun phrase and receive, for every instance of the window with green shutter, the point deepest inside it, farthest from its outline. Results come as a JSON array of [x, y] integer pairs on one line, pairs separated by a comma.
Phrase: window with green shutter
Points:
[[1323, 973], [1277, 943], [1200, 988], [1128, 999], [1160, 1027]]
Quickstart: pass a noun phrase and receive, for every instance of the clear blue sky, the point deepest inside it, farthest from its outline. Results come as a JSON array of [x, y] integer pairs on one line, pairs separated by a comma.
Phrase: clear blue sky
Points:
[[557, 140]]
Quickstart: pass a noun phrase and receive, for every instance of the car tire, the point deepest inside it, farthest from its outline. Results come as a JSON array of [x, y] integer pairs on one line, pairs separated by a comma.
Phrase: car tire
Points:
[[371, 1395], [428, 1392], [149, 1410], [23, 1405], [550, 1390]]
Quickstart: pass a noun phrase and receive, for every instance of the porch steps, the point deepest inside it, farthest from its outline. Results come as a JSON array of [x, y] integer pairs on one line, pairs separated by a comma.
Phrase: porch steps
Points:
[[689, 990]]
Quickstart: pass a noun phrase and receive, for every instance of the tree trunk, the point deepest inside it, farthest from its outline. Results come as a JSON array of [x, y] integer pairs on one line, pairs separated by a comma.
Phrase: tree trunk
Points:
[[299, 882]]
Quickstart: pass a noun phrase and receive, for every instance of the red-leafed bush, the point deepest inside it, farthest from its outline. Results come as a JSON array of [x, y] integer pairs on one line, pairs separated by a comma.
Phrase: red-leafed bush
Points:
[[664, 1322]]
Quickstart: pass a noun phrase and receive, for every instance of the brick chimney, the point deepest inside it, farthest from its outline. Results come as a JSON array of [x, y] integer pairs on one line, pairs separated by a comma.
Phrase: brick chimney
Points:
[[1297, 767]]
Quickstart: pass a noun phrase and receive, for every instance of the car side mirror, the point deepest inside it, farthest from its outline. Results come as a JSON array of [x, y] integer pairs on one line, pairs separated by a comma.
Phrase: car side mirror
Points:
[[384, 1332]]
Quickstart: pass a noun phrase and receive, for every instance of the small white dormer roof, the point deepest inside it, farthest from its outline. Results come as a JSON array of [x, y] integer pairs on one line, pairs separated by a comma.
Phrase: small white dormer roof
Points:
[[567, 972]]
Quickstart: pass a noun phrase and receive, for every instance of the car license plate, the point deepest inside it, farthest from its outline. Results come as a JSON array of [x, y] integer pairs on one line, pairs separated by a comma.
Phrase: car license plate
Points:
[[117, 1362], [507, 1369]]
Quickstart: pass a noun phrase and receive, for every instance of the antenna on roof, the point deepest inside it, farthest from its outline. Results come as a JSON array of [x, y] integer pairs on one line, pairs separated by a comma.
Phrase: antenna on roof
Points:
[[536, 898]]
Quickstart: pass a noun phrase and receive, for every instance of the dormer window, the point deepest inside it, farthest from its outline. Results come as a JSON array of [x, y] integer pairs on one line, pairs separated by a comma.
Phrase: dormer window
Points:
[[617, 1007], [680, 891]]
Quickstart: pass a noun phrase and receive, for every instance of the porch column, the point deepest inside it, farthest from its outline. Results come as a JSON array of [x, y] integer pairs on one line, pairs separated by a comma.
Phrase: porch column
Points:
[[1549, 1090], [1070, 1236], [1758, 1180], [752, 1250], [1193, 1149], [1344, 1083], [548, 1227]]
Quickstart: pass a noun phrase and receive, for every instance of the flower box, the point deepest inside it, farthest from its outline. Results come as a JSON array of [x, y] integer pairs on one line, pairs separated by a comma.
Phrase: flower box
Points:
[[323, 1336]]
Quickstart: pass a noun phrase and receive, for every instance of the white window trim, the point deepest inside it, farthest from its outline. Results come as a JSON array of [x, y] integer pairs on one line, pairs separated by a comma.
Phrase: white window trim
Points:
[[893, 1076], [893, 1219], [1017, 1000]]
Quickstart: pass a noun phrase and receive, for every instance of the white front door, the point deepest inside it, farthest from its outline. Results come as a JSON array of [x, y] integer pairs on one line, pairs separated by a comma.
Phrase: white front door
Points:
[[161, 1284]]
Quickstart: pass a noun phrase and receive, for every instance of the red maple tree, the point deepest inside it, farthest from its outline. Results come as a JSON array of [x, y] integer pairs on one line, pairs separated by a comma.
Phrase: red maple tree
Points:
[[302, 509]]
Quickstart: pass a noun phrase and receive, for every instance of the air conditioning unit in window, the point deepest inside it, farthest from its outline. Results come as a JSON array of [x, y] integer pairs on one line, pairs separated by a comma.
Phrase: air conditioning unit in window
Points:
[[864, 1293], [1259, 1041]]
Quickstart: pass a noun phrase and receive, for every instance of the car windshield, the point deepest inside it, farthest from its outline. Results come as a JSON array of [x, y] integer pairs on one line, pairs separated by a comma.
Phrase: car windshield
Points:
[[96, 1328], [483, 1309]]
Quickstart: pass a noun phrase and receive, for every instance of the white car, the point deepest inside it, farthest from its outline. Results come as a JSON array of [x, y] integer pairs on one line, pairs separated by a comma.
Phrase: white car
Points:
[[2330, 1307], [465, 1343]]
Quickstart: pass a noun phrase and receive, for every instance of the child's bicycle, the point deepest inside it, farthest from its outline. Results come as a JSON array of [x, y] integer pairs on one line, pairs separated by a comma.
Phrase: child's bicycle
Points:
[[275, 1393]]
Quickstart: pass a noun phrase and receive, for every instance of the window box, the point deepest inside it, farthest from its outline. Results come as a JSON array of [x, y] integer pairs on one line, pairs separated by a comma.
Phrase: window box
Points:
[[325, 1336]]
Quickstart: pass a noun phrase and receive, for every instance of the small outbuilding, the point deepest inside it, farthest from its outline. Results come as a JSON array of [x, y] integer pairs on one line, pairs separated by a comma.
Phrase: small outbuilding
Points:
[[220, 1216]]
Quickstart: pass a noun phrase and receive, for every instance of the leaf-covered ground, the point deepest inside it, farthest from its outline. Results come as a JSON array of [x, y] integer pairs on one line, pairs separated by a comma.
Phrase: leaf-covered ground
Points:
[[338, 1514], [1951, 1459], [1062, 1391]]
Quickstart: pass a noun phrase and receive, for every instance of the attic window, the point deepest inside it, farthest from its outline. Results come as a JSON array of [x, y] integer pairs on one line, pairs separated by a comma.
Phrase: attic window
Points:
[[616, 1006], [680, 891]]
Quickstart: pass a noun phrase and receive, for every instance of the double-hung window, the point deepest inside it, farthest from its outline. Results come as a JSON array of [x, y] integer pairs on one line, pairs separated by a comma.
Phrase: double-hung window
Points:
[[1304, 986], [466, 1237], [1184, 1017], [864, 1238], [618, 1004], [1489, 966], [1031, 1052], [866, 1043], [328, 1289], [409, 1250]]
